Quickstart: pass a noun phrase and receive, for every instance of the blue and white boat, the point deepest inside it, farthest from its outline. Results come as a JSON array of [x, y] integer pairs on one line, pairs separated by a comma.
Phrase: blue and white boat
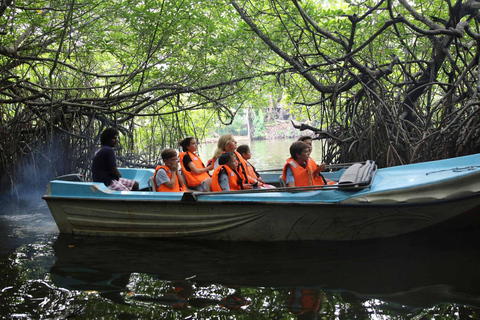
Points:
[[366, 203]]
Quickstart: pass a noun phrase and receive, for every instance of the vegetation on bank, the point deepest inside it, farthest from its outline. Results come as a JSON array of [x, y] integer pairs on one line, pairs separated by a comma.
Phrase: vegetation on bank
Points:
[[396, 82]]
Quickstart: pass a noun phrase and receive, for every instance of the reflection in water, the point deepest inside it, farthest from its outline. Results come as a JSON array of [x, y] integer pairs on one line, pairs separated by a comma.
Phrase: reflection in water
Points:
[[403, 277], [24, 223], [121, 278], [304, 303]]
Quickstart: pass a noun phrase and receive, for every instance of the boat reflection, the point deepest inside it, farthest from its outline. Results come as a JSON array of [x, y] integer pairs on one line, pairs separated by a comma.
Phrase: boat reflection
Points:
[[412, 272]]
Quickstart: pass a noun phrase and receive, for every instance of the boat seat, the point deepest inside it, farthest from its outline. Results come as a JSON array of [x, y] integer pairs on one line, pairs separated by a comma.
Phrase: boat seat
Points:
[[358, 175], [282, 182], [207, 185], [183, 176], [185, 179], [151, 185]]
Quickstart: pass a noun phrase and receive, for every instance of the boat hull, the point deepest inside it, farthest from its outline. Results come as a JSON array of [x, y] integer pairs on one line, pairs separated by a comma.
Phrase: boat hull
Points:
[[259, 221], [395, 201]]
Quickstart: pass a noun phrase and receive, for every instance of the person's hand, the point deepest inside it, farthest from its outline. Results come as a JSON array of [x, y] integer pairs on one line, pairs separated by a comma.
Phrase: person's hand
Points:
[[210, 167], [258, 183], [319, 169], [174, 165], [247, 186]]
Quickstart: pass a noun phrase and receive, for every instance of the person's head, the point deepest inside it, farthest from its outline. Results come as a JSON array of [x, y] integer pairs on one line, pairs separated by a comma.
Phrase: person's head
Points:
[[189, 144], [307, 139], [227, 143], [300, 151], [109, 137], [169, 156], [229, 160], [244, 150]]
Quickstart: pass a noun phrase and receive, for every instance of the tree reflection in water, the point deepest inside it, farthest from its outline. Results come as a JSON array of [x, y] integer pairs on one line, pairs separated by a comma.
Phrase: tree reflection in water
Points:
[[87, 278]]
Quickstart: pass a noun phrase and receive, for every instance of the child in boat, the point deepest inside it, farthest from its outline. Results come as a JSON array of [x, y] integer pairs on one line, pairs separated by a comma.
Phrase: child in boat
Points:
[[318, 180], [297, 172], [195, 172], [167, 178], [104, 164], [225, 177], [244, 151], [227, 143]]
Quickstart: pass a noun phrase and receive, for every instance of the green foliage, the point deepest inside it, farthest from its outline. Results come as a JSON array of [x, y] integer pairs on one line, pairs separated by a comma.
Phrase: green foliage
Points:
[[161, 70], [259, 124], [238, 127]]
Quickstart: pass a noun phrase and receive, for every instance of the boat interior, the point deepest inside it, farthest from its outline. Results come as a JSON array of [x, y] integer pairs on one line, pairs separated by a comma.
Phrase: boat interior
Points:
[[348, 176]]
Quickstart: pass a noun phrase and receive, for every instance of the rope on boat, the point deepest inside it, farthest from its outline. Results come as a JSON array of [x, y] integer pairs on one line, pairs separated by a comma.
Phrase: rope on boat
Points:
[[456, 169]]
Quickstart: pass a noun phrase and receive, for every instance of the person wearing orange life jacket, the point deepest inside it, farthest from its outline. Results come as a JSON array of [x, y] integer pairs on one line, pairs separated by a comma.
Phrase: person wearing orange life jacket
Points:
[[225, 177], [244, 151], [297, 172], [166, 177], [319, 179], [227, 143], [195, 172]]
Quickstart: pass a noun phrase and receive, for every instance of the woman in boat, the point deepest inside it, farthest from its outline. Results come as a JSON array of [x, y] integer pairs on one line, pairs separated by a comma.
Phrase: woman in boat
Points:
[[225, 177], [246, 154], [297, 172], [167, 178], [104, 164], [227, 143], [195, 172]]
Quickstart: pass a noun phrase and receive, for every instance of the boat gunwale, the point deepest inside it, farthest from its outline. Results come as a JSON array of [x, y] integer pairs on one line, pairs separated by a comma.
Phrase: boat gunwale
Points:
[[276, 203]]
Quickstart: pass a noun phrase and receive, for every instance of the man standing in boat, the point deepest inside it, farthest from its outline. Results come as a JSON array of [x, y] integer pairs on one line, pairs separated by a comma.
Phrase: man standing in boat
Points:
[[104, 165]]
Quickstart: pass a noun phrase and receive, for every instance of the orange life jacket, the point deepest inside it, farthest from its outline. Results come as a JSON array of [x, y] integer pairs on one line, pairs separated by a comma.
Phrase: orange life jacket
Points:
[[193, 179], [163, 187], [242, 168], [318, 180], [303, 176], [251, 170], [234, 179]]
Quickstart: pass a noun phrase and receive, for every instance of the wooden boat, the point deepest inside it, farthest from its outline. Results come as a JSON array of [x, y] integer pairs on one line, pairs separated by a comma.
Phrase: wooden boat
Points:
[[366, 203]]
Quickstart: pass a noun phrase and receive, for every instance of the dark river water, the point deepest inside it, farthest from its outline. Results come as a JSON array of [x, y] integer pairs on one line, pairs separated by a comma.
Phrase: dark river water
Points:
[[45, 275]]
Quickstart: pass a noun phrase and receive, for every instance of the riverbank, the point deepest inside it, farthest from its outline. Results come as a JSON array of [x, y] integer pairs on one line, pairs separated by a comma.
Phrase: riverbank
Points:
[[281, 129]]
